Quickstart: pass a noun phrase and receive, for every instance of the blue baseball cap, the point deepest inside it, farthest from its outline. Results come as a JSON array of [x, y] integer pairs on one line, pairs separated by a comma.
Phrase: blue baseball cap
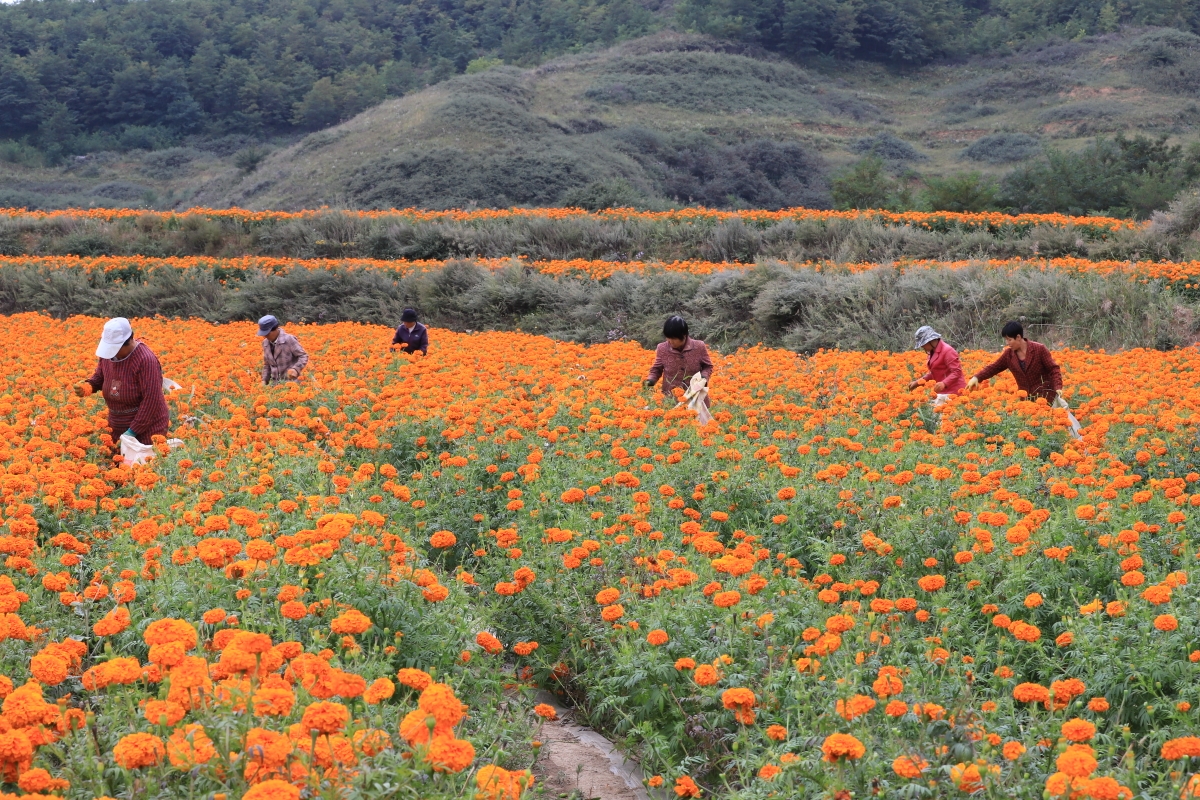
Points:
[[267, 324]]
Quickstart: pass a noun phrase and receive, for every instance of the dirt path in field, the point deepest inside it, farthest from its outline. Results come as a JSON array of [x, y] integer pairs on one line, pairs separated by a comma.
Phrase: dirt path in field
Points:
[[577, 762]]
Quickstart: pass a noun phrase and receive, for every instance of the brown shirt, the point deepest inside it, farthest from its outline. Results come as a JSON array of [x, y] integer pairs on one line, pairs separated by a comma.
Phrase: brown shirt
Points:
[[1039, 376], [676, 367]]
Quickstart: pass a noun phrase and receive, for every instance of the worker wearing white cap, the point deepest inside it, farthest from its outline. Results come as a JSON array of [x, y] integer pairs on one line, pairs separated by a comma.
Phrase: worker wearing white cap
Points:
[[283, 357], [130, 378]]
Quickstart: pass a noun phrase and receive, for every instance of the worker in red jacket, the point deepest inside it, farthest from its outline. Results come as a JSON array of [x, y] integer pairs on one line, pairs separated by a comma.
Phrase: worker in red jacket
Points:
[[943, 366], [130, 378], [1031, 365]]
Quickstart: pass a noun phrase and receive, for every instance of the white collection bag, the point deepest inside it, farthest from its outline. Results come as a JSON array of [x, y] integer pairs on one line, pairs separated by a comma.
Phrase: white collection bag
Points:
[[695, 397], [1060, 403], [135, 452]]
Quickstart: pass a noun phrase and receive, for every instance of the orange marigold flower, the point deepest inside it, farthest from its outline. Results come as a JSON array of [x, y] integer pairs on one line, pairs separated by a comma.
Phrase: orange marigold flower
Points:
[[272, 789], [842, 745], [438, 700], [1166, 622], [489, 643], [1078, 730], [705, 675], [855, 707], [447, 754], [138, 750], [189, 747], [932, 583], [909, 766], [325, 718], [442, 539], [1030, 693], [1078, 761], [1012, 750], [1184, 747], [726, 599]]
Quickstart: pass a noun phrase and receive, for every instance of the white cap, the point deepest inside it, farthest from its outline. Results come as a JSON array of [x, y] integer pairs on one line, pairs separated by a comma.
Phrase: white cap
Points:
[[116, 332]]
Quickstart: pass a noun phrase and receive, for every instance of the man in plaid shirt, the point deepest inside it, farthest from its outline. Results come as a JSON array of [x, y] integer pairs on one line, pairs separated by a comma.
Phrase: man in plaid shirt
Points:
[[130, 378]]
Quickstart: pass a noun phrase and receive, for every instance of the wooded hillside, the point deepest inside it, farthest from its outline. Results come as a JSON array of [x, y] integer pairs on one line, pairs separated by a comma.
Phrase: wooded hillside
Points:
[[85, 76]]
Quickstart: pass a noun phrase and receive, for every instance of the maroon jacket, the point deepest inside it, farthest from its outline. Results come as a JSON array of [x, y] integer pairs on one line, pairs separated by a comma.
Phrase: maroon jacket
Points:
[[1039, 377], [676, 367], [132, 388]]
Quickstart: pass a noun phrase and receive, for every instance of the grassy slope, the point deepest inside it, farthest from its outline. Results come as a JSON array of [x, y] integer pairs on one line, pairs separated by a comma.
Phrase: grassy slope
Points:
[[511, 136]]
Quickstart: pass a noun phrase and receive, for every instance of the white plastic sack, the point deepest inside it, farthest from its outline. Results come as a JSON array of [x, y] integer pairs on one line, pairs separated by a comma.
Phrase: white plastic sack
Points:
[[170, 385], [695, 397], [1060, 403], [134, 452]]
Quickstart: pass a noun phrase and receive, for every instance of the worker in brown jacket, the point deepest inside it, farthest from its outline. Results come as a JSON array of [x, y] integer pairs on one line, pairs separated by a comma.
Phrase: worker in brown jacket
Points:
[[678, 358], [1031, 364], [283, 357]]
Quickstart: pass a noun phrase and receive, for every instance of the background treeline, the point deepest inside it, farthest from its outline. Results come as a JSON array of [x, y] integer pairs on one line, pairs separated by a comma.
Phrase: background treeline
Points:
[[771, 303], [333, 235], [87, 76]]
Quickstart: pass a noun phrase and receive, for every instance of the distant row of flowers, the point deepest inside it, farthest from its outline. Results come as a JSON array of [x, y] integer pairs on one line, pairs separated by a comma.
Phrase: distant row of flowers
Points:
[[936, 220], [1184, 273]]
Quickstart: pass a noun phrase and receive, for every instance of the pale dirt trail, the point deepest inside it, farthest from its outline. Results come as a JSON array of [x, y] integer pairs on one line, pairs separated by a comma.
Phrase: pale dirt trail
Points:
[[575, 761]]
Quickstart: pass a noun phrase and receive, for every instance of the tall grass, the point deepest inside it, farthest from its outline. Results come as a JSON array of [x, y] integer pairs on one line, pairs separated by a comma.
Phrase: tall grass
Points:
[[344, 235], [771, 303]]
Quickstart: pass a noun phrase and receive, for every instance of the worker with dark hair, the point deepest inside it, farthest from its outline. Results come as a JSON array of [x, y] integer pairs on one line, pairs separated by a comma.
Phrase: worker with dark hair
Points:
[[678, 358], [1031, 364], [411, 335]]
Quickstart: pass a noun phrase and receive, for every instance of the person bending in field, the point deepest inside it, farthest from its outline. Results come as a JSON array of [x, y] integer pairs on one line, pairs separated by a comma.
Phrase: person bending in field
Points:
[[130, 378], [1030, 363], [679, 358], [283, 357], [1033, 367], [943, 366], [412, 335]]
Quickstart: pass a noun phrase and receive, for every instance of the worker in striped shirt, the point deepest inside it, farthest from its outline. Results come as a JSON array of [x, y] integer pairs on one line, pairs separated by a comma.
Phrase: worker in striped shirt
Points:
[[130, 378]]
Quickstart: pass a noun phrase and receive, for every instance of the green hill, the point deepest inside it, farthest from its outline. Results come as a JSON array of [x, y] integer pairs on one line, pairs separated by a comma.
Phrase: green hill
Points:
[[676, 119], [687, 119]]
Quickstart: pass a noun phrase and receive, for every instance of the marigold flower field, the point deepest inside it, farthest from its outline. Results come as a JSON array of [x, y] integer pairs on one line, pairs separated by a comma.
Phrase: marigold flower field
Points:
[[1179, 274], [935, 220], [351, 586]]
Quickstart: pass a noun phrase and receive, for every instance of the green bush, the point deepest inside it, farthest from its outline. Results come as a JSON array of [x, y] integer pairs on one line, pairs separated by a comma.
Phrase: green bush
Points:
[[964, 191], [866, 184]]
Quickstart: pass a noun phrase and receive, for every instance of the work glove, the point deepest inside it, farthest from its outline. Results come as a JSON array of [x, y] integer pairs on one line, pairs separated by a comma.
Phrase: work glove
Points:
[[291, 373], [130, 432], [82, 389], [973, 383]]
